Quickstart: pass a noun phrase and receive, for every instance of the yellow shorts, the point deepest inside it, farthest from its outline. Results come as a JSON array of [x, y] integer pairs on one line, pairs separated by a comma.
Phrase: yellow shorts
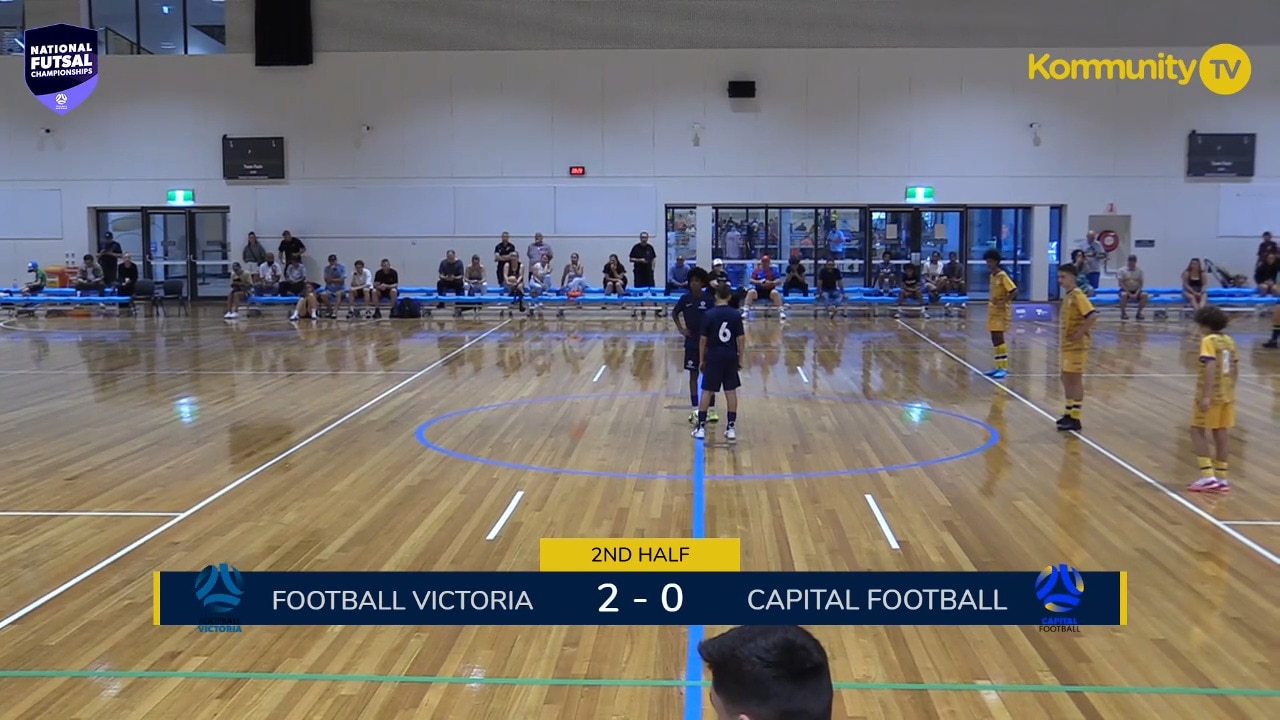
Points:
[[998, 322], [1074, 361], [1217, 417]]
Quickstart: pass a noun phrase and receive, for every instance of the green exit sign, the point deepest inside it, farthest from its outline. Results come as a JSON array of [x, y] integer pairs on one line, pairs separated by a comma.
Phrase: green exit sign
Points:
[[919, 194], [182, 197]]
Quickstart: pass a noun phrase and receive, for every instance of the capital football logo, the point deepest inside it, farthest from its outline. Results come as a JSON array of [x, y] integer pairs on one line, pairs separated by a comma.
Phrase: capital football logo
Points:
[[1060, 588]]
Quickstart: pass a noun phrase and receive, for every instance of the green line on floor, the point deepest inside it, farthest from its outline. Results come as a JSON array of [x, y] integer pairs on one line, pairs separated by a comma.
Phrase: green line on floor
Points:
[[611, 683]]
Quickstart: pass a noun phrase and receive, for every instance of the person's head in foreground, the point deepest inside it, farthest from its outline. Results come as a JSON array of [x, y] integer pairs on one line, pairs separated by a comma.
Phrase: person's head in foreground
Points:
[[768, 673]]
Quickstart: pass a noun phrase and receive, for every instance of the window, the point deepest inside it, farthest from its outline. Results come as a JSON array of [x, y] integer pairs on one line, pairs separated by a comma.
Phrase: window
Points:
[[682, 235], [160, 27], [1055, 250], [11, 25], [1007, 230]]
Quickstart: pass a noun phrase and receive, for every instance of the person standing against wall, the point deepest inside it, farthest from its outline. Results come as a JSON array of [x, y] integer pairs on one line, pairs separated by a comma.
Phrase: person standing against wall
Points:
[[109, 254], [1094, 256]]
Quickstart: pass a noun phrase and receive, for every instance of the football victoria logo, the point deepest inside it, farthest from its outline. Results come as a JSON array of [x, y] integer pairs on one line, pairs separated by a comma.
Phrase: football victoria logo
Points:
[[61, 65]]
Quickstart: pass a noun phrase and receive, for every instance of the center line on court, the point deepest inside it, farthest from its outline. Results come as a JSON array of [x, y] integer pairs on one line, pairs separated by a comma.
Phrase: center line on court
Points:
[[693, 661], [884, 524], [506, 515], [803, 377], [19, 513], [35, 605], [1224, 527], [1263, 523], [599, 373]]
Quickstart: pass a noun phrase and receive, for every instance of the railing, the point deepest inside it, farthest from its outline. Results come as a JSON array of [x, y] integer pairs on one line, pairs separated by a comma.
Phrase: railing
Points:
[[111, 42], [11, 41]]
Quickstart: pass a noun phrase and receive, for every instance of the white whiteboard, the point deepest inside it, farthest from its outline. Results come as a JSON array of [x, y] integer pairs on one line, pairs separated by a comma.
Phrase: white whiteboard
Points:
[[606, 210], [494, 209], [30, 214], [1248, 210], [355, 212]]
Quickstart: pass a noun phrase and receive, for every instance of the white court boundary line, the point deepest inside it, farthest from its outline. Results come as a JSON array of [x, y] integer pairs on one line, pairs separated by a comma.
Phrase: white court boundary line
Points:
[[803, 377], [142, 373], [506, 515], [1224, 527], [36, 604], [884, 524], [599, 373], [1263, 523], [88, 513]]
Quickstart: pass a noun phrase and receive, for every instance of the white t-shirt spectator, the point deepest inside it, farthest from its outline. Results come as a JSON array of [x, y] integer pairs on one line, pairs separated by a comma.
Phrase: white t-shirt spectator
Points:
[[270, 273], [361, 279], [1130, 280]]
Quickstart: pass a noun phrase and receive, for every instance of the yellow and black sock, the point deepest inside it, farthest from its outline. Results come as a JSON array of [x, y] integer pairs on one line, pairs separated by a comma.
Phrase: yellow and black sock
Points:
[[1219, 469], [1002, 357], [1206, 467], [1074, 409]]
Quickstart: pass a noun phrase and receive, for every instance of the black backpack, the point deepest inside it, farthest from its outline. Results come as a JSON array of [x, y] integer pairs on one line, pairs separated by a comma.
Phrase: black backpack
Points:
[[407, 308]]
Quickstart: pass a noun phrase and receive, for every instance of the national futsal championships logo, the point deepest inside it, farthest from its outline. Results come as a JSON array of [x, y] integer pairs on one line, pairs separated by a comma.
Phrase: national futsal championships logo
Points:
[[61, 65], [219, 589], [1060, 589]]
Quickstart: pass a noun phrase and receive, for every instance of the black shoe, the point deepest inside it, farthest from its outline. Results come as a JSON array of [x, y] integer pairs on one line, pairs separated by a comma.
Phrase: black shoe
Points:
[[1071, 425], [377, 314], [1064, 420], [1271, 344]]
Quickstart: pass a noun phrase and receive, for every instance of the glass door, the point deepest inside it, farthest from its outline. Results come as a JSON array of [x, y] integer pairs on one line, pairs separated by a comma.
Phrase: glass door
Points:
[[211, 250], [894, 236], [1007, 230], [165, 241]]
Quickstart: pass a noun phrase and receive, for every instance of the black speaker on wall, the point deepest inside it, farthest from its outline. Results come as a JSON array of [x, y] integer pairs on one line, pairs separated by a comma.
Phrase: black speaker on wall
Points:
[[742, 89], [282, 33]]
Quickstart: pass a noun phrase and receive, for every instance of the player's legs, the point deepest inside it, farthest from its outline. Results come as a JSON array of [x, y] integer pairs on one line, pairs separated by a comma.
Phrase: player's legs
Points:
[[1275, 329], [999, 349], [731, 383], [1073, 391], [711, 384], [1210, 439]]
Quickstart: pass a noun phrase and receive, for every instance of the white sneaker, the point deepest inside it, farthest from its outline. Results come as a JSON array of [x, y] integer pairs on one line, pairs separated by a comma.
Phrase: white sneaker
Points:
[[293, 317], [699, 432], [782, 314], [730, 433], [744, 313], [313, 315], [231, 316]]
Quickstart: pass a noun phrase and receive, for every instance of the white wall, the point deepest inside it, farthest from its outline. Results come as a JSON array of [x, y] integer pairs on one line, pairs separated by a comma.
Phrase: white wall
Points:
[[839, 126]]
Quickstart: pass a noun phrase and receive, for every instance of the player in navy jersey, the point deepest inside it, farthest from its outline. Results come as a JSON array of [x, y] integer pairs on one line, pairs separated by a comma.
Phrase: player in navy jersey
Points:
[[688, 314], [722, 346]]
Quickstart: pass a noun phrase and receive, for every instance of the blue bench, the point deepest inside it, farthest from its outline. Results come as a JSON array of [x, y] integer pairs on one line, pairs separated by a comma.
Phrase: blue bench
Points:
[[18, 305]]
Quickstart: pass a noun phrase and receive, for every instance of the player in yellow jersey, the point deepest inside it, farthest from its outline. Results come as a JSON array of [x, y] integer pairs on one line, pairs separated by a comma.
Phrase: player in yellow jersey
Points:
[[1215, 410], [999, 312], [1074, 340]]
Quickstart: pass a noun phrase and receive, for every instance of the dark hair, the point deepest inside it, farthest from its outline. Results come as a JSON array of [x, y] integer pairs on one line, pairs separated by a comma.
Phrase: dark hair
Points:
[[992, 254], [1070, 269], [724, 292], [88, 258], [700, 275], [1211, 317], [770, 673]]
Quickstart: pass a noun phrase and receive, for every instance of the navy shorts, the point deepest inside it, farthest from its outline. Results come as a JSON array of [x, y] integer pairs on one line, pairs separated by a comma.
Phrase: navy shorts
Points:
[[692, 356], [721, 375]]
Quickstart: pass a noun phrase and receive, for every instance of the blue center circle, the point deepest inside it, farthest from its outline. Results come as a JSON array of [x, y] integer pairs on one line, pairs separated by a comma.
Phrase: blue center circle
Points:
[[993, 437]]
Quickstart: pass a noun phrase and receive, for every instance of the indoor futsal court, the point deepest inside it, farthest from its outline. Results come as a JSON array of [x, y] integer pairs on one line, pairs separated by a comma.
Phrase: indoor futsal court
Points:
[[139, 445]]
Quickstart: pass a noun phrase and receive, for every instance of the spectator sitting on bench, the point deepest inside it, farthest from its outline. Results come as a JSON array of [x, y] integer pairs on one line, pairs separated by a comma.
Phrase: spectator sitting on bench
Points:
[[952, 279], [1081, 261], [615, 277], [795, 279], [573, 281], [308, 304], [451, 277], [933, 276], [126, 276], [678, 277], [1131, 288], [335, 286], [386, 284], [295, 282], [1193, 284], [475, 277], [764, 284], [241, 286], [90, 278], [1266, 247], [831, 286], [269, 276], [538, 282], [38, 283], [1266, 274], [912, 288], [886, 278], [361, 288], [514, 282]]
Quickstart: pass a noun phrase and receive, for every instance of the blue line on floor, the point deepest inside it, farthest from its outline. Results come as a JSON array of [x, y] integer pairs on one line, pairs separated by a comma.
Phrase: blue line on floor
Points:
[[693, 667]]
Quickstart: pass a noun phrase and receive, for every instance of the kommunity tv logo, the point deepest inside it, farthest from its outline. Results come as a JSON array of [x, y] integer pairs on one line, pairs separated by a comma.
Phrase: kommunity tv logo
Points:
[[1222, 69]]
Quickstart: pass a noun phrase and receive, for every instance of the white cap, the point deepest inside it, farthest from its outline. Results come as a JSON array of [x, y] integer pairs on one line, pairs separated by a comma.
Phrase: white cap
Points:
[[717, 261]]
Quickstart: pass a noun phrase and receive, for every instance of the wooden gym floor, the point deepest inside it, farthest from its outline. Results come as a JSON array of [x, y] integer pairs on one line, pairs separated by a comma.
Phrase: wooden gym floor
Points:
[[138, 445]]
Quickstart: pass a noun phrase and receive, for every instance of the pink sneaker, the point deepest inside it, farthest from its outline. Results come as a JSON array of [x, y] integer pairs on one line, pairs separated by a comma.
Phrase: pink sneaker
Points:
[[1211, 485]]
